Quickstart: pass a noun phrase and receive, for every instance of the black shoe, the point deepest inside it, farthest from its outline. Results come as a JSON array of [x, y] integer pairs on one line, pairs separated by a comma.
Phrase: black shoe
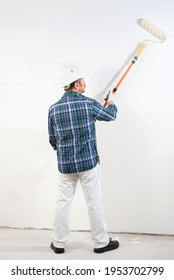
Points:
[[111, 246], [57, 250]]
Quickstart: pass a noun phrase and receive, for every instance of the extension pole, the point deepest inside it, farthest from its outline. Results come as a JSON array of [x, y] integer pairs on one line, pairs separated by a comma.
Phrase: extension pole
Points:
[[154, 31], [141, 49], [143, 46]]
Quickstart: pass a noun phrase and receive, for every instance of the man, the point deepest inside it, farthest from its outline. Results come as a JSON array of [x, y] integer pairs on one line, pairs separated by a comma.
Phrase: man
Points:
[[71, 125]]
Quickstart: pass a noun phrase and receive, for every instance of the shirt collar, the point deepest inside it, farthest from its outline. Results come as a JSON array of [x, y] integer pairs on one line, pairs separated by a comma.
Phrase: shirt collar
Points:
[[72, 93]]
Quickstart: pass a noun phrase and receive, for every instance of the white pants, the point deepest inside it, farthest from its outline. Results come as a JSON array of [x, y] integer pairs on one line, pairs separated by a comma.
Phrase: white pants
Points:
[[90, 182]]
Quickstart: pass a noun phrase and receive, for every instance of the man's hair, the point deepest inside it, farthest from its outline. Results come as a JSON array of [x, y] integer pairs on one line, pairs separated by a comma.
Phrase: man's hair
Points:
[[71, 86]]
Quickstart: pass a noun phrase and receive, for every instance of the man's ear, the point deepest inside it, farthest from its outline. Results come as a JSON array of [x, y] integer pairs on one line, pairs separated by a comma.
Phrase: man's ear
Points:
[[76, 85]]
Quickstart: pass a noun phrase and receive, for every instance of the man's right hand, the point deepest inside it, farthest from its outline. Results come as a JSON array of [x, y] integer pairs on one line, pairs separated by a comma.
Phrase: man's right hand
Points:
[[110, 102]]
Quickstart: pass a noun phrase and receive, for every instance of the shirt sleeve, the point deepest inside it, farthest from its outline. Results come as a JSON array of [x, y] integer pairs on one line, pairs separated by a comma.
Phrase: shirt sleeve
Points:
[[52, 139], [104, 113]]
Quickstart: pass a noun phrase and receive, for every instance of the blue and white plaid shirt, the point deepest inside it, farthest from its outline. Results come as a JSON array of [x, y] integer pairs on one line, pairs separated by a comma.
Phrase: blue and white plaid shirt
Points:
[[72, 133]]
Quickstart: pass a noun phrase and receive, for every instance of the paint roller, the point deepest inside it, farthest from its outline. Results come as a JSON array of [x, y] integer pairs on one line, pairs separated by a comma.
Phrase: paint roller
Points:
[[155, 32]]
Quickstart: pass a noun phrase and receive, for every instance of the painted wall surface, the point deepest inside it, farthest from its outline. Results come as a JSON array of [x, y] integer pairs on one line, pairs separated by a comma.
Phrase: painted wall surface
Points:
[[136, 151]]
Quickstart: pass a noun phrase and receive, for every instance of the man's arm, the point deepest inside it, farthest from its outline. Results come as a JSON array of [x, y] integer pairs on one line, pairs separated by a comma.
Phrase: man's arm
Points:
[[52, 139], [104, 113]]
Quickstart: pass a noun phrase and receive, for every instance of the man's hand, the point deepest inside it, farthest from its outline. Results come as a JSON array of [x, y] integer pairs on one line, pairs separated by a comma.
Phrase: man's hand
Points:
[[110, 102]]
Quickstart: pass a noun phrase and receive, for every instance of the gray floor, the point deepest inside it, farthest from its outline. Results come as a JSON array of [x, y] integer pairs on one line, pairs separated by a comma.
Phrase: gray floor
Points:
[[18, 244]]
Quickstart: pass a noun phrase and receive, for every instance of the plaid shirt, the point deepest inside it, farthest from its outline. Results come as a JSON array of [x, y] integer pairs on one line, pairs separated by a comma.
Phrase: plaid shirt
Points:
[[72, 133]]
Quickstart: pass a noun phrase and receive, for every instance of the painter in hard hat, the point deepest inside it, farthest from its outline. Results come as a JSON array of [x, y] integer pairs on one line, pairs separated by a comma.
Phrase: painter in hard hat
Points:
[[71, 126]]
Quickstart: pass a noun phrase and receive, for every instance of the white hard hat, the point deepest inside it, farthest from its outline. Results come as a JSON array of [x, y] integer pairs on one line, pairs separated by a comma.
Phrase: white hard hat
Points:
[[68, 73]]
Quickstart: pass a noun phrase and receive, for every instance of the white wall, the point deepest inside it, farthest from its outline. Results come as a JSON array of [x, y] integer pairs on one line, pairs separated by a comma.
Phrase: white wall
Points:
[[137, 150]]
